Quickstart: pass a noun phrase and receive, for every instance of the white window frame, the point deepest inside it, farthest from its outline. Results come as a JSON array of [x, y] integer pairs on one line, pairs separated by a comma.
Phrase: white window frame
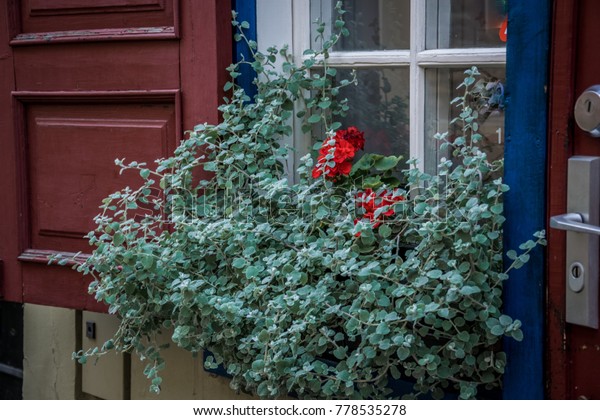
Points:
[[288, 22]]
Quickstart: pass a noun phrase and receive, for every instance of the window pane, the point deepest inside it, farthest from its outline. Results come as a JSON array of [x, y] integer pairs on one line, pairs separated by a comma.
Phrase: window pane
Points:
[[373, 24], [379, 107], [464, 23], [440, 89]]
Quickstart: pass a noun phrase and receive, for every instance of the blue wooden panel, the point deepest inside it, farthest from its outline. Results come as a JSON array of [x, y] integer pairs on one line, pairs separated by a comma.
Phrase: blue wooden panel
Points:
[[246, 10], [525, 173]]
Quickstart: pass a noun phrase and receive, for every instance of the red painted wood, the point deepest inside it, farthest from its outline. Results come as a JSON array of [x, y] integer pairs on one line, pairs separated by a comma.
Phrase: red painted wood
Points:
[[58, 286], [205, 51], [574, 351], [77, 105], [70, 15], [47, 256], [584, 350], [559, 149], [65, 191], [76, 7], [98, 66], [10, 280], [96, 35]]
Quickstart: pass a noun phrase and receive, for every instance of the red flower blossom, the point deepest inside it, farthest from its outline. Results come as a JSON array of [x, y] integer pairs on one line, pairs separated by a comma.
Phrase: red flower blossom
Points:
[[343, 147], [352, 135], [371, 201]]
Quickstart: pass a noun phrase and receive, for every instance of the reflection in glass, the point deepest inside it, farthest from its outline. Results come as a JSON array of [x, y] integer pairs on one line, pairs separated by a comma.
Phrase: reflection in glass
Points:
[[464, 23], [440, 89], [373, 24], [379, 107]]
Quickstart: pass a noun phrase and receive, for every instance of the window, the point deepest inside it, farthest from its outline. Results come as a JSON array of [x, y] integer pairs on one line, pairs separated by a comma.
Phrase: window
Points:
[[409, 56]]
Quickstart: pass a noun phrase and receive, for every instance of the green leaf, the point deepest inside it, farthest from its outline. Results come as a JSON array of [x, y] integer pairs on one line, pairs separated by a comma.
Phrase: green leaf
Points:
[[505, 320], [147, 261], [239, 263], [385, 231], [382, 328], [118, 238], [252, 272], [517, 335], [387, 163], [395, 372], [369, 352], [497, 209], [365, 163], [315, 118], [469, 290], [497, 330], [403, 353], [372, 182], [420, 208], [340, 352]]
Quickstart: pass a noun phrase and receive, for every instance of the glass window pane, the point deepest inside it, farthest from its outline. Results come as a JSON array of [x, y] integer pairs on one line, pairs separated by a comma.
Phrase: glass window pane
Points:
[[373, 24], [379, 107], [464, 23], [440, 89]]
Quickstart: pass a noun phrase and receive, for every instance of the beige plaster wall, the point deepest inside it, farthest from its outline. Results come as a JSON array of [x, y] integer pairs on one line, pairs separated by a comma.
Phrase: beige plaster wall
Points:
[[183, 378], [49, 341], [51, 336]]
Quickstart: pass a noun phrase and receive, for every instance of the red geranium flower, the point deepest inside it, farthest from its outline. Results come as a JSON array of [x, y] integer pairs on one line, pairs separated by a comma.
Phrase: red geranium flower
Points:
[[352, 135], [343, 152], [371, 201], [344, 146]]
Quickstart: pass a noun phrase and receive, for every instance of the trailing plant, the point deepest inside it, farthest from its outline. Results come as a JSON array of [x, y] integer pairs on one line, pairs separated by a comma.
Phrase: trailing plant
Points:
[[332, 287]]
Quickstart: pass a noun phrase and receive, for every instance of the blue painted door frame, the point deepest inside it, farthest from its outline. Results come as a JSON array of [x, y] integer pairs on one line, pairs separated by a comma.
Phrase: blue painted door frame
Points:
[[525, 173], [525, 204]]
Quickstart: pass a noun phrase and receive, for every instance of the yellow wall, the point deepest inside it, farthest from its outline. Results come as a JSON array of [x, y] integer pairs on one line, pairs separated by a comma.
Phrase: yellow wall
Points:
[[49, 341], [51, 336]]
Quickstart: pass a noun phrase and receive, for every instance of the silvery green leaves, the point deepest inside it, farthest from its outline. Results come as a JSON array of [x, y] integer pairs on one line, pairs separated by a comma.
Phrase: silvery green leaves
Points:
[[273, 279]]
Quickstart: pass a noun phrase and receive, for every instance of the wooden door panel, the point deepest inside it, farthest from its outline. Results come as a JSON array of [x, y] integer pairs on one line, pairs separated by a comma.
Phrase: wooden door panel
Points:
[[85, 82], [71, 153], [10, 274], [71, 15], [122, 66], [583, 343], [573, 351]]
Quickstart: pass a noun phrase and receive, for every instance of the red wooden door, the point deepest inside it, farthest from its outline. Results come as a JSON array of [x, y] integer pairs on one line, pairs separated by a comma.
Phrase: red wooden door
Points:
[[83, 82], [573, 351]]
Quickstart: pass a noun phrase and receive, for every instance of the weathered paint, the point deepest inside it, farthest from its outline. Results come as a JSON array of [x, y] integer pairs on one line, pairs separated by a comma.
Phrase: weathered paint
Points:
[[525, 173], [49, 373], [127, 34]]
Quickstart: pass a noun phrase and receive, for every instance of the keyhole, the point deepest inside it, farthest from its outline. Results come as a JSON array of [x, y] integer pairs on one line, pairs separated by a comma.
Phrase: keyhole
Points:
[[588, 106], [576, 279]]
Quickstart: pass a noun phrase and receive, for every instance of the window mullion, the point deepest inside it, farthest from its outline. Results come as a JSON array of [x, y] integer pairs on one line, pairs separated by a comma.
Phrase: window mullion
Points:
[[387, 58], [300, 42], [417, 80], [461, 56]]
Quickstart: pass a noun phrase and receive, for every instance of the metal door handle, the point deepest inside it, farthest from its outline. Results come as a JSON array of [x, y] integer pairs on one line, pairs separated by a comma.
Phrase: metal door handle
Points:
[[582, 223], [573, 222]]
